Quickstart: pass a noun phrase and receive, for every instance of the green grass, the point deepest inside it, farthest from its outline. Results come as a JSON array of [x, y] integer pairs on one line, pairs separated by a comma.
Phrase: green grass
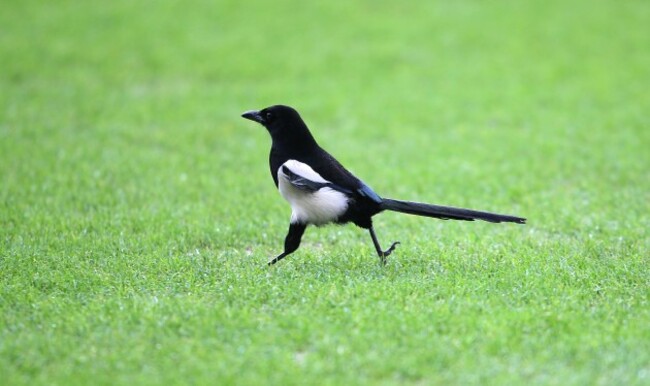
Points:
[[137, 211]]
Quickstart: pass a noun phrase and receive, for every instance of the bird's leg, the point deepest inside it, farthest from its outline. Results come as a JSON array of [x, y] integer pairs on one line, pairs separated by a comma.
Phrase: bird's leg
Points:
[[382, 254], [291, 241]]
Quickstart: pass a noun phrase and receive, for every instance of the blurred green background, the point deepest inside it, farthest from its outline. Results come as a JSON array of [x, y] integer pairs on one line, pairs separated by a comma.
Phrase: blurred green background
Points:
[[137, 211]]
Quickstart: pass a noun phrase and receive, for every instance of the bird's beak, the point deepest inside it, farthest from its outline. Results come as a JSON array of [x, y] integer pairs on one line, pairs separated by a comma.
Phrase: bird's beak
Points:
[[254, 115]]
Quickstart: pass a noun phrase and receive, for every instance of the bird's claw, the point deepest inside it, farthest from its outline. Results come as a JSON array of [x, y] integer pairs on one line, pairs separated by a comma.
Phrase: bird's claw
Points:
[[387, 252]]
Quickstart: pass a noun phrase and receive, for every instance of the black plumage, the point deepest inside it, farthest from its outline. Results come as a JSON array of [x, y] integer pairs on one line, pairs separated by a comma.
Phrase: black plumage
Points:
[[320, 190]]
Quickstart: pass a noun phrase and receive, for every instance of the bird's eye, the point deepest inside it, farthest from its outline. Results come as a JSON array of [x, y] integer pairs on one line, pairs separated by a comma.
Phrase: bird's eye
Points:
[[268, 115]]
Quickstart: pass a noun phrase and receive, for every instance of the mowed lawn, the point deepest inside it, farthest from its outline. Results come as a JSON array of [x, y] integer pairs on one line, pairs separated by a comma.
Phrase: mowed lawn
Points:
[[137, 211]]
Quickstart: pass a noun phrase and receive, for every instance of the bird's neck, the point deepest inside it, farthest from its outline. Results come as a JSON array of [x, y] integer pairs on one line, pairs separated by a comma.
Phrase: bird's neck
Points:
[[295, 145]]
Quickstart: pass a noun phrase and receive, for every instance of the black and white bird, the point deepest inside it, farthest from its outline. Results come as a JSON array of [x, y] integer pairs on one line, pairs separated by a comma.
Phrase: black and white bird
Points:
[[321, 191]]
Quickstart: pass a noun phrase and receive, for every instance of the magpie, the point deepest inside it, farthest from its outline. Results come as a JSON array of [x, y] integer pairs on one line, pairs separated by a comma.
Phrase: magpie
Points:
[[321, 191]]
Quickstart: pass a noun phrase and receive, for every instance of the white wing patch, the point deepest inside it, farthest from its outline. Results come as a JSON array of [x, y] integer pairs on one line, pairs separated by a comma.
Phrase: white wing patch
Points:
[[319, 207]]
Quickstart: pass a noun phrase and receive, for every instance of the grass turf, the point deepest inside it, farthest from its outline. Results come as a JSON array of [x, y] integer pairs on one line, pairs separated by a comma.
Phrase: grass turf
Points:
[[137, 211]]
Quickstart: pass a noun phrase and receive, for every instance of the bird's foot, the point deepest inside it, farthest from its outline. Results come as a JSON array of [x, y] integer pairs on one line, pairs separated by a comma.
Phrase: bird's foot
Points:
[[387, 252], [276, 259]]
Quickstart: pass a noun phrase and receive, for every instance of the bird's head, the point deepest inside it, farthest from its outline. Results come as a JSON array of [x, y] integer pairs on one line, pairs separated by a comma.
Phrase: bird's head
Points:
[[283, 123]]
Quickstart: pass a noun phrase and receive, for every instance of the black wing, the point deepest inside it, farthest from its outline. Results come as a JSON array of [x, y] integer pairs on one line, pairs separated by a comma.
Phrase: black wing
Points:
[[331, 169], [305, 184]]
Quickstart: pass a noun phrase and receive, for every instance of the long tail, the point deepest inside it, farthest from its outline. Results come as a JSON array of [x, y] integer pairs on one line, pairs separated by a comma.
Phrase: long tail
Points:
[[446, 212]]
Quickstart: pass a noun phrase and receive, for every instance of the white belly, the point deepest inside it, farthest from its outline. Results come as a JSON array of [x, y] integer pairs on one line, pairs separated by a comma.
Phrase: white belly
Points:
[[319, 207]]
